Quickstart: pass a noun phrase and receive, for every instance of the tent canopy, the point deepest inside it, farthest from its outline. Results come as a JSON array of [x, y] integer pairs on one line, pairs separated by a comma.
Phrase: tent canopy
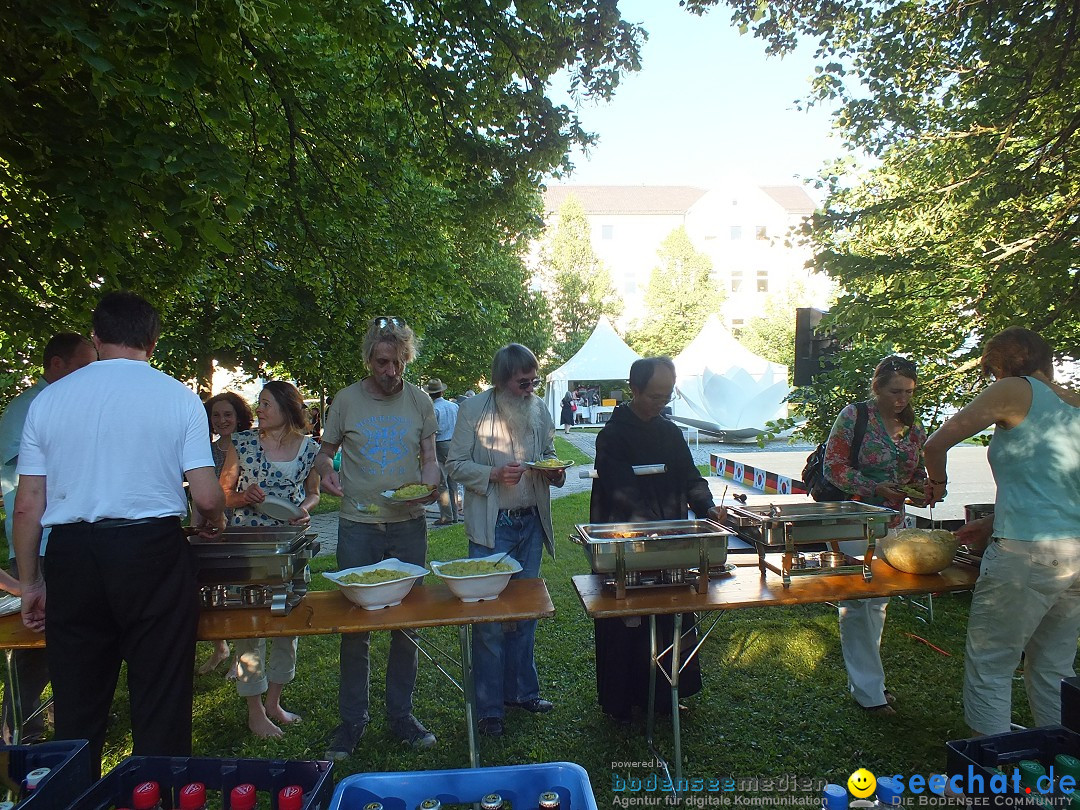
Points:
[[605, 356]]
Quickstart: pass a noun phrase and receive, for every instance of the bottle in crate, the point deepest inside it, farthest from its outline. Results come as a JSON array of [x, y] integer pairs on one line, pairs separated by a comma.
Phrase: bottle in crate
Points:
[[549, 800], [146, 796], [291, 798], [193, 796], [243, 797]]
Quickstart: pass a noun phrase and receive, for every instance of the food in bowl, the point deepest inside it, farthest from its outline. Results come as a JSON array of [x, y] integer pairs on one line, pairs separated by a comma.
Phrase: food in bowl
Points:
[[919, 551], [410, 492], [372, 577], [472, 568], [478, 586]]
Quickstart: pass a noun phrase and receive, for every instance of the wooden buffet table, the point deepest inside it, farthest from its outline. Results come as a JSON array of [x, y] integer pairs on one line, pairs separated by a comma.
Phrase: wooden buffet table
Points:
[[745, 587], [326, 612]]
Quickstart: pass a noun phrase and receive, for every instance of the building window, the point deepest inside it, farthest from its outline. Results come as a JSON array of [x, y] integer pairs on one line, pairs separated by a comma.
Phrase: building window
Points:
[[736, 280], [762, 281], [737, 325], [760, 232], [736, 232], [607, 231]]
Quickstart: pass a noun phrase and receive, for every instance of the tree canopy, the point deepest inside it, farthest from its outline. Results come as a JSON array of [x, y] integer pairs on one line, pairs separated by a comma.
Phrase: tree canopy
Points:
[[968, 216], [578, 284], [272, 175], [679, 299]]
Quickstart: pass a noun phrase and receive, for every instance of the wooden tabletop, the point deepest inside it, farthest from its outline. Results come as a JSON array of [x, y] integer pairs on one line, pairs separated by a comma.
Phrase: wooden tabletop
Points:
[[747, 587], [327, 612]]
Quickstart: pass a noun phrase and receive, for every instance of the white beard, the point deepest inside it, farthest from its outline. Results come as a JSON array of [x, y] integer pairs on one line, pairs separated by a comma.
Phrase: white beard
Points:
[[521, 413]]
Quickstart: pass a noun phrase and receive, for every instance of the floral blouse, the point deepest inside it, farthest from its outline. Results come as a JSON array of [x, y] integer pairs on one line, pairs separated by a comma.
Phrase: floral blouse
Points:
[[881, 460], [285, 479]]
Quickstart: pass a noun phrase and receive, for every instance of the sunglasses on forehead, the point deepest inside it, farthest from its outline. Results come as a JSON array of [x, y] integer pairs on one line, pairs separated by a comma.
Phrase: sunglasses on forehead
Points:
[[383, 321], [899, 364]]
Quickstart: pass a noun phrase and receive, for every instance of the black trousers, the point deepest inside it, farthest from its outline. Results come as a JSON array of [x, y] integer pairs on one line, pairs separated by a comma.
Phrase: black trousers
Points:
[[115, 595]]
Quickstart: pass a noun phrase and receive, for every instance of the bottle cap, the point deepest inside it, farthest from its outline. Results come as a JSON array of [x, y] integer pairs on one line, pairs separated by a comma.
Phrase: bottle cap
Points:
[[548, 799], [1067, 765], [291, 798], [834, 797], [492, 801], [1030, 771], [35, 776], [145, 796], [193, 796], [889, 790], [242, 797]]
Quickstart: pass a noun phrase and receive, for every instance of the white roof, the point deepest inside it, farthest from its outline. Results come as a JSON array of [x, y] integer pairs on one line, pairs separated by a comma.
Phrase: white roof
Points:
[[605, 356]]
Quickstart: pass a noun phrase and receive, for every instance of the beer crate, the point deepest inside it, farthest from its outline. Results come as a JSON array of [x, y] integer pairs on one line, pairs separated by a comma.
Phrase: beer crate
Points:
[[68, 762]]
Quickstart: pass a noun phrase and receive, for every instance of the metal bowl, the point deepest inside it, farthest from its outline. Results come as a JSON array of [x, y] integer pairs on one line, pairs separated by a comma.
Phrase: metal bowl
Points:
[[832, 559]]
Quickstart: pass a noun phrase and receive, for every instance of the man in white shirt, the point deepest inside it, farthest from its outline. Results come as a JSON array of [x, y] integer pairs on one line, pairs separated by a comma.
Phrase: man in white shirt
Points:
[[64, 353], [102, 462]]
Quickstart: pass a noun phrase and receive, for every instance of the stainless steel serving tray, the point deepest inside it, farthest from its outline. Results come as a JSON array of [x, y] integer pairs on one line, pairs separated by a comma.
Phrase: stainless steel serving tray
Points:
[[653, 545], [774, 524], [256, 554], [250, 541]]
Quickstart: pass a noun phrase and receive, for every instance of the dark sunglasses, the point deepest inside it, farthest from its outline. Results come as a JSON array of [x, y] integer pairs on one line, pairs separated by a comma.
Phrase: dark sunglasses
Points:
[[523, 384], [899, 364]]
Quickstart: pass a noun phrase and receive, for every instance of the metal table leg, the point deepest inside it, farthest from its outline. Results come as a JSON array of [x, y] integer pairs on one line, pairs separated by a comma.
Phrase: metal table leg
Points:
[[469, 688], [16, 697]]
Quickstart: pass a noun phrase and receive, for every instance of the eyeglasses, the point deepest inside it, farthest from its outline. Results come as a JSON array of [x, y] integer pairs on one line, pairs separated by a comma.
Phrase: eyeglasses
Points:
[[899, 364], [524, 384], [660, 399], [383, 321]]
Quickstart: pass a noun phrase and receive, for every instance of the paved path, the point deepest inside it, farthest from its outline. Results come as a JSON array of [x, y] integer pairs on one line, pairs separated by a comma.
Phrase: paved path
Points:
[[969, 474]]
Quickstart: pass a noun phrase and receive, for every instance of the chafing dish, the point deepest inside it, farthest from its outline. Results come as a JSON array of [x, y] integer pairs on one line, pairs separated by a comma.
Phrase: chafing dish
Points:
[[655, 553], [255, 567], [774, 526]]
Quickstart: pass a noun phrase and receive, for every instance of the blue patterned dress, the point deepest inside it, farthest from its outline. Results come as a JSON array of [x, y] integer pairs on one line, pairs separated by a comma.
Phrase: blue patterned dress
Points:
[[284, 479]]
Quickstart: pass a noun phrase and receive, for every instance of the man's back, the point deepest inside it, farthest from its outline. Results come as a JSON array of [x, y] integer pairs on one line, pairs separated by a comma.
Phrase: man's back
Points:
[[124, 428]]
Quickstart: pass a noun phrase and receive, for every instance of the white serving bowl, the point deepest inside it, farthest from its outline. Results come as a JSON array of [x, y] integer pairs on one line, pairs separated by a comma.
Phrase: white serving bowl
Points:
[[478, 587], [380, 594]]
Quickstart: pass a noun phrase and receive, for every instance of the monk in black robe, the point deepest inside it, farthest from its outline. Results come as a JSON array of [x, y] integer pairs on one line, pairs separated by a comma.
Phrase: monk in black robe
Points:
[[637, 434]]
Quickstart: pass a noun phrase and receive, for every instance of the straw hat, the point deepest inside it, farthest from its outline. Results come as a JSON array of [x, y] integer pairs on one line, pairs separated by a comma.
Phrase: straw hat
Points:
[[435, 386]]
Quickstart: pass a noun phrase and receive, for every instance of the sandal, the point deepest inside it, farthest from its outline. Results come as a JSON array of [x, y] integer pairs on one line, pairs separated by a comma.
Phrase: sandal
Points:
[[442, 523], [890, 698], [884, 710]]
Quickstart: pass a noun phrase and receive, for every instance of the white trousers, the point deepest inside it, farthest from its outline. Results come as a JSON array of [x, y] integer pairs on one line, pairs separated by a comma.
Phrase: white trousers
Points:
[[1027, 600], [251, 675], [861, 624]]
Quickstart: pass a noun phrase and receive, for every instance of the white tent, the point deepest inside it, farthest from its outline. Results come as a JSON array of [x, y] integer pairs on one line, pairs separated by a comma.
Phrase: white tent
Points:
[[725, 388], [605, 356]]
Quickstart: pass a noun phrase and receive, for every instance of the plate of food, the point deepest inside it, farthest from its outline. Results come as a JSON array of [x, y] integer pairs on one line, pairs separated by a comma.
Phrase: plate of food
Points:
[[379, 585], [479, 578], [409, 493], [914, 492], [549, 464], [279, 508]]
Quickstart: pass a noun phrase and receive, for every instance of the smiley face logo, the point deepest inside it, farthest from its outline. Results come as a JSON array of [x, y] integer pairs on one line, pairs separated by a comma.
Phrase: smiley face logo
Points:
[[861, 783]]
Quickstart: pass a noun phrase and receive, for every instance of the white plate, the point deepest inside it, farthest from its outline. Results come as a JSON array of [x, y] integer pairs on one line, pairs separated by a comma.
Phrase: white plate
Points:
[[532, 465], [279, 508], [389, 495]]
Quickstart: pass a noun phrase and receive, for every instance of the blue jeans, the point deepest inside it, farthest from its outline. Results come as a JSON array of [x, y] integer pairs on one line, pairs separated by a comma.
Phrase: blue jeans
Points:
[[504, 664], [364, 544]]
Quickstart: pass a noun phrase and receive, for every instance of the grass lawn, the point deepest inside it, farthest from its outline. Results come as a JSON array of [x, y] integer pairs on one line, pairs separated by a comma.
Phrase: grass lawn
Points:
[[774, 702]]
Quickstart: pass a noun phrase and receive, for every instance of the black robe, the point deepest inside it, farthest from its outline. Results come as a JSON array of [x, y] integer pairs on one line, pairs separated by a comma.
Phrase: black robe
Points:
[[622, 652]]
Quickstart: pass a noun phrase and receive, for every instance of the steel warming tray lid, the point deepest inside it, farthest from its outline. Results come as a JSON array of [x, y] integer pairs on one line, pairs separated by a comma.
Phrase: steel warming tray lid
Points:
[[654, 545], [250, 541], [808, 522]]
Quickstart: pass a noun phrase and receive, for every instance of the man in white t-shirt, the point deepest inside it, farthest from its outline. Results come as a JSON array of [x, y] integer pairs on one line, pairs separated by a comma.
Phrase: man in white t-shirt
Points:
[[103, 458], [446, 415], [386, 429], [64, 353]]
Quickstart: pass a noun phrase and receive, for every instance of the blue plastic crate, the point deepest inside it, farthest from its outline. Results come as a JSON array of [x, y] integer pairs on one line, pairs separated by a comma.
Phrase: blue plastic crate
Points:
[[519, 784], [219, 775], [68, 762]]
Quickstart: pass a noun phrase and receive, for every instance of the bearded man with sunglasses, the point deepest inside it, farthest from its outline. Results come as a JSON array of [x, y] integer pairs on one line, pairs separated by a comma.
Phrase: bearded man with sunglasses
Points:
[[385, 427], [507, 509]]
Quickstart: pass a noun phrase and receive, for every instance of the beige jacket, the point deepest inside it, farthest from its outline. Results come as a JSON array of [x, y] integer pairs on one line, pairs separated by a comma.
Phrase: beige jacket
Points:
[[470, 460]]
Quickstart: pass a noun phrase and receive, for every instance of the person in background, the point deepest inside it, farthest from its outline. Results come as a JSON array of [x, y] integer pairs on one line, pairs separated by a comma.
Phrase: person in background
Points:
[[112, 445], [275, 461], [890, 456], [566, 413], [64, 353], [508, 510], [1027, 598], [446, 415], [226, 414], [637, 434], [316, 424], [386, 430]]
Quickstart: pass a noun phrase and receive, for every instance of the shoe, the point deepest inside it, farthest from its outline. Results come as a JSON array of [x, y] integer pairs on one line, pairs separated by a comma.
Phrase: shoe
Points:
[[491, 726], [890, 698], [536, 705], [343, 740], [412, 732], [441, 522], [884, 710]]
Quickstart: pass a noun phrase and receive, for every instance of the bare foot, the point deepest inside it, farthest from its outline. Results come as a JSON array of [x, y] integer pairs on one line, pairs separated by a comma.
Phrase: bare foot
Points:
[[214, 661], [286, 718], [262, 727]]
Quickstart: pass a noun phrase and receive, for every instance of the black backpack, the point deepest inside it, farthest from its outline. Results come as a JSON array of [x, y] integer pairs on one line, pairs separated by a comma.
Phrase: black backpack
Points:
[[813, 474]]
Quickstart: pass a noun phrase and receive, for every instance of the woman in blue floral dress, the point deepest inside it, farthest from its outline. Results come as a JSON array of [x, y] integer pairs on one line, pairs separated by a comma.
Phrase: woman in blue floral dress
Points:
[[890, 456], [275, 460]]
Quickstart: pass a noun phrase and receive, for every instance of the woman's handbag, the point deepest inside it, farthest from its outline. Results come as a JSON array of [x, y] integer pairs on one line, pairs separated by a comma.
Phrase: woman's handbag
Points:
[[813, 475]]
